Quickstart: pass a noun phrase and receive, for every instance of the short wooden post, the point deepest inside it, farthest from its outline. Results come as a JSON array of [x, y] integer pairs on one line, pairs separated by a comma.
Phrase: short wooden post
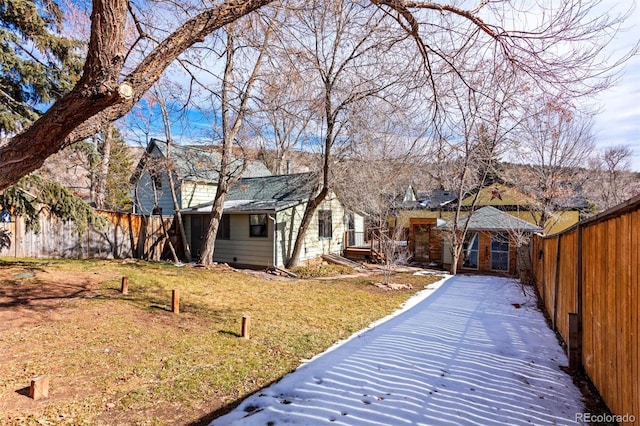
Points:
[[39, 388], [246, 326], [175, 301], [125, 285], [574, 346]]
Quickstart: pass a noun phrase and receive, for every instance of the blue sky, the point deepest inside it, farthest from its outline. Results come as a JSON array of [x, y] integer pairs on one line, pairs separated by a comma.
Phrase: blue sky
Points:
[[618, 122]]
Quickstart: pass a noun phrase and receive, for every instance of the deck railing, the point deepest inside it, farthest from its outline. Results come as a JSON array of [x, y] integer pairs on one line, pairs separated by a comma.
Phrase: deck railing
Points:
[[355, 239]]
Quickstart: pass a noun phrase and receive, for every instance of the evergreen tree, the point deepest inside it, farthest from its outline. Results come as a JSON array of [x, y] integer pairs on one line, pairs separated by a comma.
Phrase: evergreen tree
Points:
[[32, 194], [37, 63], [117, 188]]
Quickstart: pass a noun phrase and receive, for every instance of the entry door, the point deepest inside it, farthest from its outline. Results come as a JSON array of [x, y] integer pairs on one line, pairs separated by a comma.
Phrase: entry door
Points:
[[199, 225], [500, 251], [422, 243]]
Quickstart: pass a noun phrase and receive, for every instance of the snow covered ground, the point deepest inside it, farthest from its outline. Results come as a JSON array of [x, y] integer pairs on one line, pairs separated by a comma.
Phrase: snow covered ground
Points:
[[462, 354]]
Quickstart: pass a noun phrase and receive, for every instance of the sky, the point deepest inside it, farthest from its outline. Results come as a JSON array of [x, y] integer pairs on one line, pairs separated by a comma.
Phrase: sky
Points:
[[618, 119], [466, 350], [618, 122]]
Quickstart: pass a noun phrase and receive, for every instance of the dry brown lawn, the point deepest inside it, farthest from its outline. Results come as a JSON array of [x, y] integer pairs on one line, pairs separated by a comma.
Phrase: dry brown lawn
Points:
[[127, 359]]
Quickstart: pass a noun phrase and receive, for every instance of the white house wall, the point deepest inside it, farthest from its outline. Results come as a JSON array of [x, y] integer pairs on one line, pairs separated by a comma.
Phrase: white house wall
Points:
[[197, 193], [240, 248], [358, 223], [314, 247]]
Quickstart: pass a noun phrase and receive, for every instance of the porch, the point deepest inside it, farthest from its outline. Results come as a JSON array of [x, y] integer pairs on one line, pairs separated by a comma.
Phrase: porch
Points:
[[373, 245]]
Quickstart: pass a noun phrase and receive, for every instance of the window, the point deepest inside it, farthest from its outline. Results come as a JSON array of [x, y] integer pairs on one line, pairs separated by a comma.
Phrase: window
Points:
[[470, 251], [224, 228], [500, 251], [157, 180], [257, 225], [324, 224]]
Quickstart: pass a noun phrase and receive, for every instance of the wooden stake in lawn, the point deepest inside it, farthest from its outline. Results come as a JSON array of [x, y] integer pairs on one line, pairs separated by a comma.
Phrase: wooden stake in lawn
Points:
[[246, 325], [175, 301], [125, 285], [39, 388]]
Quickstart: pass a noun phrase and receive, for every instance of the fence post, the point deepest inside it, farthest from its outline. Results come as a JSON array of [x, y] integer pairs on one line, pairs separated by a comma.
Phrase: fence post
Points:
[[39, 388], [175, 301], [574, 346], [246, 326], [543, 281]]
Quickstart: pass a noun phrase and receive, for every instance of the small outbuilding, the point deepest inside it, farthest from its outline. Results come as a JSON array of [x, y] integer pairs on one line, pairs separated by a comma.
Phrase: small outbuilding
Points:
[[494, 242]]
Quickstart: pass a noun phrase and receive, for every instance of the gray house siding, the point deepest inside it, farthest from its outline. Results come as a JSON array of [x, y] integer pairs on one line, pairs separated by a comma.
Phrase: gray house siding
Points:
[[195, 177], [144, 197]]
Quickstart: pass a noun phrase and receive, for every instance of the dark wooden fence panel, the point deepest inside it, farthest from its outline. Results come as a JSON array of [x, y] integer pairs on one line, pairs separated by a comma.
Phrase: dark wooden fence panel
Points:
[[565, 298], [125, 236], [592, 269]]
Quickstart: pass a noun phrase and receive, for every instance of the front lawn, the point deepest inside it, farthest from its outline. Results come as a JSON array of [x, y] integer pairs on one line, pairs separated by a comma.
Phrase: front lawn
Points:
[[127, 359]]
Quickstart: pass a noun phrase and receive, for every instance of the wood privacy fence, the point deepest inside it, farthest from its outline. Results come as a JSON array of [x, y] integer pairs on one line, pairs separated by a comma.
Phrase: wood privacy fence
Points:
[[587, 277], [125, 235]]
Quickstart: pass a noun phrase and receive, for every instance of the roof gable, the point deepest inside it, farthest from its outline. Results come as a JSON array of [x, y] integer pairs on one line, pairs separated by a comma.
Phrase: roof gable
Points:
[[504, 195], [202, 164], [498, 194]]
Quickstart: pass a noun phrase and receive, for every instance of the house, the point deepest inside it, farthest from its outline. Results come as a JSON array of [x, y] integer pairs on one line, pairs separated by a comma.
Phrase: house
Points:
[[566, 210], [261, 219], [491, 243], [195, 174], [443, 203]]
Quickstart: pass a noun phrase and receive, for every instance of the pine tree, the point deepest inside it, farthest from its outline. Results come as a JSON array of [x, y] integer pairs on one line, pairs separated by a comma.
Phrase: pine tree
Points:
[[117, 188], [115, 192], [32, 194], [37, 63]]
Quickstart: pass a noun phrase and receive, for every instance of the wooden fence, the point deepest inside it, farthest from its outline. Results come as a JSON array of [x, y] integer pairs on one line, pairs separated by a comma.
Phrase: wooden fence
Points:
[[124, 236], [587, 277]]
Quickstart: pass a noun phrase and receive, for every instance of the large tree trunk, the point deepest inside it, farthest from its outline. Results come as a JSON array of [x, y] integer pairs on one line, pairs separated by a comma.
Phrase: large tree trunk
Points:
[[209, 241], [99, 97], [230, 129], [310, 209]]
